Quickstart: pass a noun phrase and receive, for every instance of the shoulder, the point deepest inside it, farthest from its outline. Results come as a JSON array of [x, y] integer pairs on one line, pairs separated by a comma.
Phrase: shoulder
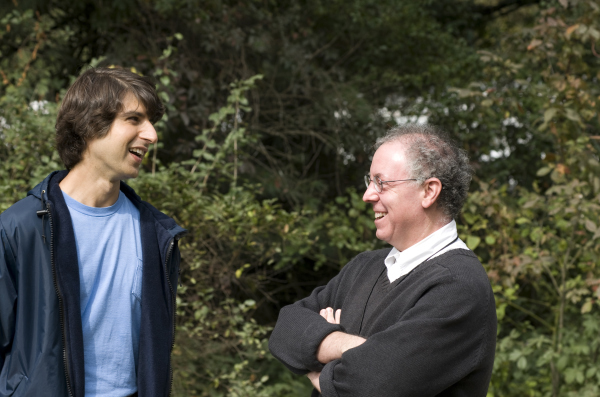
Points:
[[20, 225], [459, 263], [147, 210], [162, 219], [461, 269], [23, 213]]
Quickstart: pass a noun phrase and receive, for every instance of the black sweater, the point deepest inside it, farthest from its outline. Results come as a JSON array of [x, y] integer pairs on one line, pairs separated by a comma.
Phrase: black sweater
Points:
[[432, 334]]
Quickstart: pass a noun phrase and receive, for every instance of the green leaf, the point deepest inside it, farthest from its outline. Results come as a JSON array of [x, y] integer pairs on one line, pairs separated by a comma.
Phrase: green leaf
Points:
[[164, 96], [579, 377], [561, 363], [569, 375], [490, 240], [573, 115], [590, 226], [543, 171], [515, 355], [590, 372], [549, 114], [473, 242], [587, 307]]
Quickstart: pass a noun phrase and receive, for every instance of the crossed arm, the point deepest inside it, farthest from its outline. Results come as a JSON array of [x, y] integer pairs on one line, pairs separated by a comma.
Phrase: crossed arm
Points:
[[439, 331], [334, 344]]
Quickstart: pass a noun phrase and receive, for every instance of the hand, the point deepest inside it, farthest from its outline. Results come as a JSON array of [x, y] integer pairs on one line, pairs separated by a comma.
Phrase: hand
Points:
[[314, 379], [336, 343], [330, 316]]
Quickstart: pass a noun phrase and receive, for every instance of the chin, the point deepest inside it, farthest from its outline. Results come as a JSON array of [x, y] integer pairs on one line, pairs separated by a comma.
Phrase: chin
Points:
[[128, 175], [133, 173], [381, 236]]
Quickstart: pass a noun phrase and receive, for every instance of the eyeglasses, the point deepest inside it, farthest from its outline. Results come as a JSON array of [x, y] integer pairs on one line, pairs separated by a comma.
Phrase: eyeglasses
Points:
[[379, 183]]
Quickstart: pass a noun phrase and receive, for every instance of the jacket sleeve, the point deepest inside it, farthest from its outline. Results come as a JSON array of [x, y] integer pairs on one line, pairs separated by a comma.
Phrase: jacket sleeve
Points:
[[439, 341], [300, 328], [8, 296]]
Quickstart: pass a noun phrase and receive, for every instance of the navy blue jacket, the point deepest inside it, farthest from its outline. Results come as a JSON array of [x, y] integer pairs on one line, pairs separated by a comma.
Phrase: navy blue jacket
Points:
[[41, 342]]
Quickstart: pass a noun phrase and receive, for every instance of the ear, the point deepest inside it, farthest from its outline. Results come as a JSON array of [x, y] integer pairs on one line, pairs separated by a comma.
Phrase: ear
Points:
[[432, 188]]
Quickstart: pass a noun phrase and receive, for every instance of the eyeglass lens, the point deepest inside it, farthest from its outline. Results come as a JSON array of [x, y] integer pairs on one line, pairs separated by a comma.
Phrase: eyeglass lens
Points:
[[376, 183]]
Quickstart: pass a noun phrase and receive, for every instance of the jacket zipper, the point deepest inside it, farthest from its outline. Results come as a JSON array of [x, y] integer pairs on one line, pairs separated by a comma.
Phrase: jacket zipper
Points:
[[60, 303], [169, 253]]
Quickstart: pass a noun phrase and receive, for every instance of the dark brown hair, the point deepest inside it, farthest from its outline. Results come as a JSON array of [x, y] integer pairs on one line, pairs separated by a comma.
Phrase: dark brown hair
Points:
[[93, 102]]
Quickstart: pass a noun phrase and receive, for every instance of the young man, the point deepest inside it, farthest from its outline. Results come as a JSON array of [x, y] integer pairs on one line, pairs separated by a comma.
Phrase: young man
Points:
[[88, 271], [417, 319]]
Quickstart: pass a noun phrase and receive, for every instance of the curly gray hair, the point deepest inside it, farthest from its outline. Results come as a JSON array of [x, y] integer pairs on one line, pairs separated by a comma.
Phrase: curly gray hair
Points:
[[432, 153]]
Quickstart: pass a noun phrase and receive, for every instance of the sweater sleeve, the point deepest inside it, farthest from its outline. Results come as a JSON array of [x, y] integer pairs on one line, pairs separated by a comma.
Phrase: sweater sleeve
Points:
[[436, 343], [8, 297], [300, 328]]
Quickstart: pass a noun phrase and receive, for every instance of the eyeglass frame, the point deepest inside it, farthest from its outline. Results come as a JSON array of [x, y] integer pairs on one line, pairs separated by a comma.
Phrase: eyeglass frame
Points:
[[379, 184]]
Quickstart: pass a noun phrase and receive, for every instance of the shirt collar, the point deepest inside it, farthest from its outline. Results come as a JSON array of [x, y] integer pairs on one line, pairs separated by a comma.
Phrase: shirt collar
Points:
[[399, 263]]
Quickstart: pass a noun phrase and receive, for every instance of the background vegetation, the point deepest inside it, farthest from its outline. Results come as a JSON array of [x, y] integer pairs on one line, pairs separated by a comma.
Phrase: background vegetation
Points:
[[272, 110]]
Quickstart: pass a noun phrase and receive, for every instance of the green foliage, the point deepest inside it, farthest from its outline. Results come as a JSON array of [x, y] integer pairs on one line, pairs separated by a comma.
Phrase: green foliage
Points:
[[542, 250], [535, 224], [26, 153]]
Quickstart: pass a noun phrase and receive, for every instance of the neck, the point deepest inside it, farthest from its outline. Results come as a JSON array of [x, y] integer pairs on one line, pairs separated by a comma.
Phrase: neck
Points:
[[430, 224], [83, 185]]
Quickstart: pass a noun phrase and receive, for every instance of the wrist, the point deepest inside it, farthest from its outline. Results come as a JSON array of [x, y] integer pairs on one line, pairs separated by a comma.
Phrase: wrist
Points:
[[335, 344]]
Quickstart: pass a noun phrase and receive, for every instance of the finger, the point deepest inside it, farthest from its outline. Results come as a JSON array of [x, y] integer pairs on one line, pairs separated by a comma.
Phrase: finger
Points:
[[330, 315], [338, 316], [314, 379], [323, 313]]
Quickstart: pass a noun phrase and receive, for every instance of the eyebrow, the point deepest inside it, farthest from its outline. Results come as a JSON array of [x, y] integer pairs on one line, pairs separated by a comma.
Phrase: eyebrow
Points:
[[133, 113]]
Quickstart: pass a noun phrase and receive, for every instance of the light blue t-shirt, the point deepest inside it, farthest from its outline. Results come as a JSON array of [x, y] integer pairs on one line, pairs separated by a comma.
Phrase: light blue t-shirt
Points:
[[109, 252]]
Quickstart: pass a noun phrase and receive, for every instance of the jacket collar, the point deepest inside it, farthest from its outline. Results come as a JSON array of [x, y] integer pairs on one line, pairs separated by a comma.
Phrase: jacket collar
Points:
[[43, 185], [165, 221]]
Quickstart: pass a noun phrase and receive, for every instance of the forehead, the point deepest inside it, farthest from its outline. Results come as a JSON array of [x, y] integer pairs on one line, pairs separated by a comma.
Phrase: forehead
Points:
[[390, 160], [132, 104]]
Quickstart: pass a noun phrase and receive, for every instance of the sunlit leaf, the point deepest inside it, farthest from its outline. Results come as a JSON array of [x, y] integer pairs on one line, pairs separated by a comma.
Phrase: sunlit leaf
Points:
[[473, 242], [543, 171], [587, 307], [534, 43]]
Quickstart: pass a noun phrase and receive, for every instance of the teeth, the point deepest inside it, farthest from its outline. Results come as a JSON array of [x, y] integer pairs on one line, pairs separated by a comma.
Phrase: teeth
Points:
[[139, 152], [379, 215]]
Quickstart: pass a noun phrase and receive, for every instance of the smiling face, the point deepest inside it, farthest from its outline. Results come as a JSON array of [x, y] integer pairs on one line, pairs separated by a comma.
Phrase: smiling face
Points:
[[399, 212], [118, 155]]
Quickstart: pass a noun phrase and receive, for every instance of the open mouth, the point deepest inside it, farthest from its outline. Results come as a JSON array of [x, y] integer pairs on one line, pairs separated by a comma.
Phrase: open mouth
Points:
[[379, 215], [139, 153]]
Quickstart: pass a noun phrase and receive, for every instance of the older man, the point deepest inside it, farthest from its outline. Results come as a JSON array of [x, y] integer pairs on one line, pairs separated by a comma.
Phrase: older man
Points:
[[419, 318]]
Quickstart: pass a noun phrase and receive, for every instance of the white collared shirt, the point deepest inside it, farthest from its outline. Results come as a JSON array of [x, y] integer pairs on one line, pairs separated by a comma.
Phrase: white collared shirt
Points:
[[400, 263]]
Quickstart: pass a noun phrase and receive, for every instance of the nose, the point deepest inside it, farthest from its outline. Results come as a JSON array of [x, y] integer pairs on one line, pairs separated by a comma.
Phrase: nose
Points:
[[371, 195], [148, 133]]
